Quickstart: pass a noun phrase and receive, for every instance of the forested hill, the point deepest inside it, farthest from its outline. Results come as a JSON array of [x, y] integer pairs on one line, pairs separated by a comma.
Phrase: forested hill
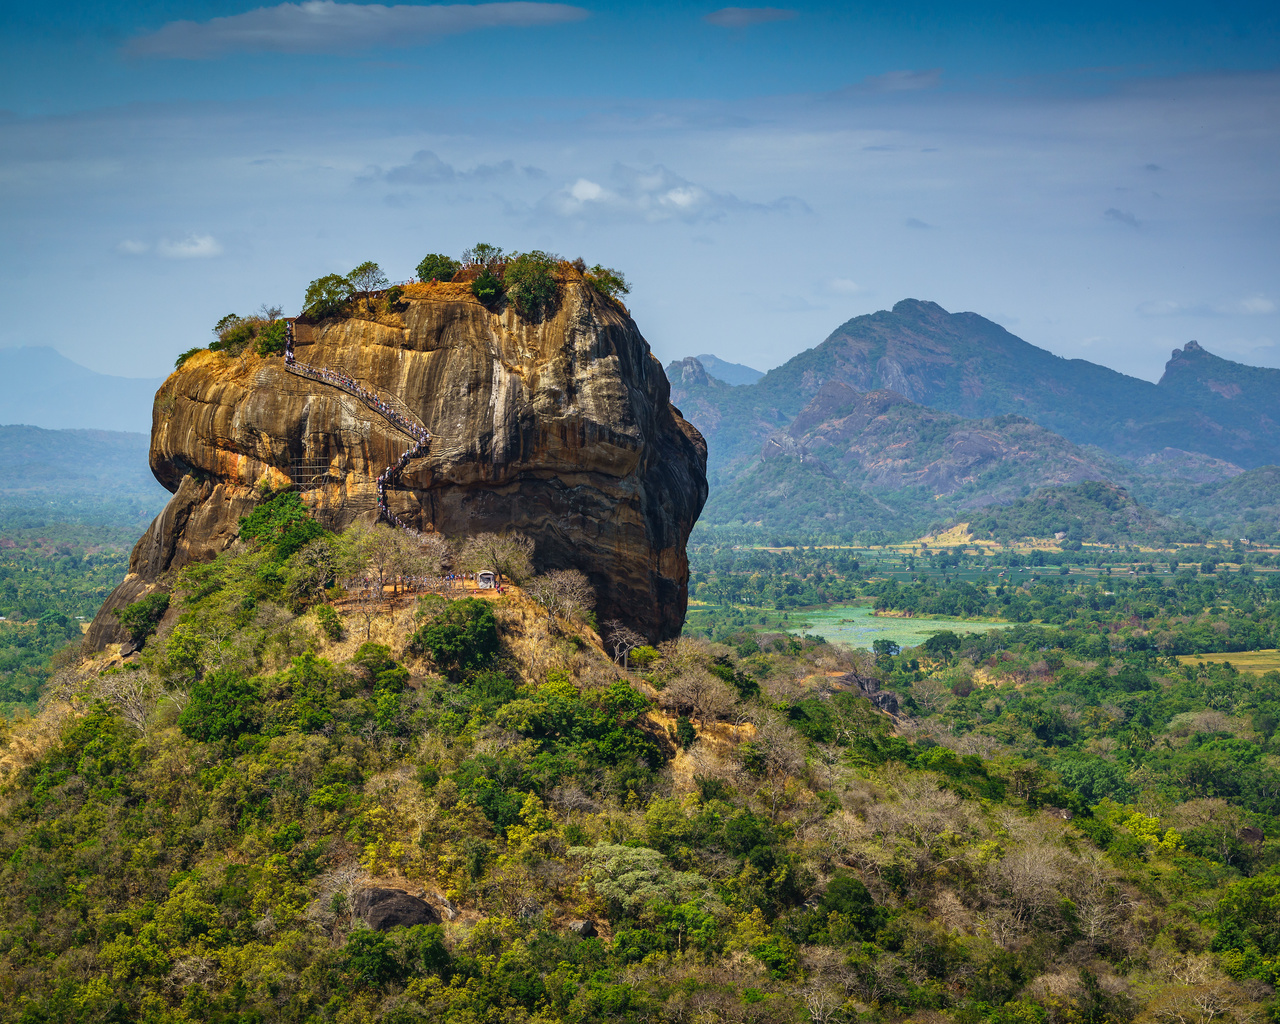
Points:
[[303, 806], [965, 364]]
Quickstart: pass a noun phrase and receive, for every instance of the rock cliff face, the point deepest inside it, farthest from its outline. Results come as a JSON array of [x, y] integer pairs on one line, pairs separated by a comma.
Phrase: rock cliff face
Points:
[[561, 429]]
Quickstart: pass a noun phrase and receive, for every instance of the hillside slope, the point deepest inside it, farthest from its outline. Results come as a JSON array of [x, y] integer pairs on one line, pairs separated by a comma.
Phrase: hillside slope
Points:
[[851, 462], [463, 811], [90, 477], [1085, 512]]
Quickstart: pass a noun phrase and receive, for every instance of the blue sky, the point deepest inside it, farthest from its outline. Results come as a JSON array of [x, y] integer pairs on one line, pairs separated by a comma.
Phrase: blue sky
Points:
[[1098, 178]]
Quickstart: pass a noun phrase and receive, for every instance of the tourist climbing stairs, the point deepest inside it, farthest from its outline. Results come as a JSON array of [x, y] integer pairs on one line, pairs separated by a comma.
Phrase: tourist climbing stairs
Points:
[[380, 404]]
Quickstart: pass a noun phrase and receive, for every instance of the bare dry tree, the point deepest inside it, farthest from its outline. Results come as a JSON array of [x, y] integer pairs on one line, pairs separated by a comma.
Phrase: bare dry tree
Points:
[[134, 693], [421, 557], [367, 605], [779, 757], [565, 593], [682, 653], [507, 554], [698, 694], [622, 640]]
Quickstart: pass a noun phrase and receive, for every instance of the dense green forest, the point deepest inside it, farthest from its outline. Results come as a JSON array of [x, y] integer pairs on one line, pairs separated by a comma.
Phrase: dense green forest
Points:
[[1058, 824], [73, 504], [53, 576]]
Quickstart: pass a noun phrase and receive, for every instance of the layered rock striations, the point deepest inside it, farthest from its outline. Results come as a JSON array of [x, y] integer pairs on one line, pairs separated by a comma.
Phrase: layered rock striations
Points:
[[561, 429]]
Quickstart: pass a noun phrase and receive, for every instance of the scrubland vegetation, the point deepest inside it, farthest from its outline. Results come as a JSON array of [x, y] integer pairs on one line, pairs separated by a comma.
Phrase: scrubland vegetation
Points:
[[1058, 825]]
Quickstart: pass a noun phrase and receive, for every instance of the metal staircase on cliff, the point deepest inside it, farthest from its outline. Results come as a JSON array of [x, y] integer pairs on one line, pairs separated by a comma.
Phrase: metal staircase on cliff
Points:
[[382, 406]]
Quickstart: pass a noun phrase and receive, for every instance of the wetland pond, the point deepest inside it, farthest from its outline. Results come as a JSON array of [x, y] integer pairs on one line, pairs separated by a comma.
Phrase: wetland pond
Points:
[[856, 626]]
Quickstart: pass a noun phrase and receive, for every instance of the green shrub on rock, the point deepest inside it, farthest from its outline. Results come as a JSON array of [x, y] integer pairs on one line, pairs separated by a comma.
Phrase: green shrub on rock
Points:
[[269, 340], [437, 267], [486, 287], [143, 616], [464, 636], [283, 523], [607, 281], [327, 296], [530, 279]]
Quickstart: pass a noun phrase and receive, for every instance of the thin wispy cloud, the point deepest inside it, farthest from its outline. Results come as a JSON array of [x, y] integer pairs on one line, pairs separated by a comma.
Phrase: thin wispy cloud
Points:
[[324, 26], [426, 168], [1253, 305], [1257, 305], [901, 81], [844, 286], [193, 247], [745, 17], [655, 194], [1121, 217]]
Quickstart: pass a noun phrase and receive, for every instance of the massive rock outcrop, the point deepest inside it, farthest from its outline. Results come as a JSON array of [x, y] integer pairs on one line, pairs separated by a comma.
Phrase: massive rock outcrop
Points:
[[561, 429]]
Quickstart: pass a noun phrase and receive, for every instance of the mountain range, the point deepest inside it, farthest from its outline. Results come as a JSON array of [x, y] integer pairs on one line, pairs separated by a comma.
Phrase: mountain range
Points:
[[59, 394], [905, 417]]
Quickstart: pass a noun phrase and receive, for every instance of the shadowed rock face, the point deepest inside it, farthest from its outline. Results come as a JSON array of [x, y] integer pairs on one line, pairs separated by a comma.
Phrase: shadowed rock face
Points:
[[384, 909], [561, 429]]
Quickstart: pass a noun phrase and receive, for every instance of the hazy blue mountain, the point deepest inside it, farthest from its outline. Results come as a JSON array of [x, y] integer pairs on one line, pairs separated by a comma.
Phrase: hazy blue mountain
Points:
[[45, 389], [730, 373]]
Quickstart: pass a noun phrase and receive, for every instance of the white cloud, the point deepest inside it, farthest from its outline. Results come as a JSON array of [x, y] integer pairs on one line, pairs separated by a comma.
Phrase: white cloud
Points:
[[655, 194], [843, 286], [132, 247], [193, 247], [584, 191], [1256, 305], [324, 26], [1162, 307], [745, 17]]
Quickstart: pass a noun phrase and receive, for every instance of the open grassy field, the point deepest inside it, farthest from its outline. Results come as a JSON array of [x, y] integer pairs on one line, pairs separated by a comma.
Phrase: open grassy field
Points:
[[1245, 661]]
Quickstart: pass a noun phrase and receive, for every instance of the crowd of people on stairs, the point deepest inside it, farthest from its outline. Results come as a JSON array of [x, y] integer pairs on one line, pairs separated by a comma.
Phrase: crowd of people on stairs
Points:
[[338, 379]]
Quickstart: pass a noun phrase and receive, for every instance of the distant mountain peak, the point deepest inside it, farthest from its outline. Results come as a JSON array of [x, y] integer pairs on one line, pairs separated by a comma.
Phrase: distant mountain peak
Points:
[[55, 393], [1231, 393], [919, 307], [736, 374], [689, 372]]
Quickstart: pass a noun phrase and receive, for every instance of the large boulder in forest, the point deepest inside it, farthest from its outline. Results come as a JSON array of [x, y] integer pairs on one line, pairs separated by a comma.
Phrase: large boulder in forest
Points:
[[559, 427], [382, 909]]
